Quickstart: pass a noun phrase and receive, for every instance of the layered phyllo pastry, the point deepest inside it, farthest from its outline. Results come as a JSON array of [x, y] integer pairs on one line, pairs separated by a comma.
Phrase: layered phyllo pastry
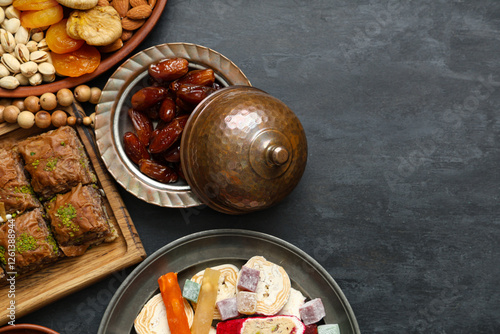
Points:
[[15, 190], [78, 220], [56, 161], [34, 244]]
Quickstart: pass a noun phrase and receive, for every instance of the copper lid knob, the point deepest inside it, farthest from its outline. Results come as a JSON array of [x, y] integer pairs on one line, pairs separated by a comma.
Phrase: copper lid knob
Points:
[[243, 150]]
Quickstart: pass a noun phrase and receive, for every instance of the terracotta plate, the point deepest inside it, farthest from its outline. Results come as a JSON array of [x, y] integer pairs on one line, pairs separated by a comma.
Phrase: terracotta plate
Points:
[[195, 252], [107, 62]]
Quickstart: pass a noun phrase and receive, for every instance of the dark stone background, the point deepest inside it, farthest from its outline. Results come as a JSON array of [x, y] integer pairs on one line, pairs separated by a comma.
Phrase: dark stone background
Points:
[[400, 198]]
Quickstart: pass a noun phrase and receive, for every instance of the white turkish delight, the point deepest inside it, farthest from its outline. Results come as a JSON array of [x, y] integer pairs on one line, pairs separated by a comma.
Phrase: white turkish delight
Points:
[[312, 311], [246, 302]]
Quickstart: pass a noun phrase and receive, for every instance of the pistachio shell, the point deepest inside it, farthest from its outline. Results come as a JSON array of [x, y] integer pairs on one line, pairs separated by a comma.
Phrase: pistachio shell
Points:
[[48, 77], [7, 40], [2, 15], [11, 13], [4, 3], [4, 71], [9, 82], [11, 25], [11, 62], [29, 68], [22, 36], [22, 53], [36, 79], [23, 81], [46, 68], [32, 46], [39, 56], [37, 35], [42, 45]]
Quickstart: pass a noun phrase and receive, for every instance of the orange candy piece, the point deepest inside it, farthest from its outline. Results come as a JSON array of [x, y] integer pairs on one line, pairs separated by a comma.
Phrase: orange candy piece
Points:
[[76, 63], [59, 41], [34, 4], [42, 18]]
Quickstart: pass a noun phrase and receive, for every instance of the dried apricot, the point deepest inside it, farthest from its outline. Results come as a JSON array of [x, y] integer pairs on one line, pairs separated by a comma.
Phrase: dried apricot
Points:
[[34, 4], [76, 63], [42, 18], [58, 40]]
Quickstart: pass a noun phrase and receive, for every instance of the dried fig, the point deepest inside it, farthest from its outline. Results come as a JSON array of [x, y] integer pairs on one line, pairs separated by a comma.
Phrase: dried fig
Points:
[[98, 26], [79, 4]]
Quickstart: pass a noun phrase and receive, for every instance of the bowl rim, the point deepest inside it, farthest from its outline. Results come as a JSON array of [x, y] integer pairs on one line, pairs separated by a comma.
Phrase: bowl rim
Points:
[[108, 142], [38, 328], [110, 61]]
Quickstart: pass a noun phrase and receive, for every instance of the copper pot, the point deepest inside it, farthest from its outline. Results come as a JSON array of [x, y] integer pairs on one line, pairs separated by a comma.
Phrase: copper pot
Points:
[[243, 150]]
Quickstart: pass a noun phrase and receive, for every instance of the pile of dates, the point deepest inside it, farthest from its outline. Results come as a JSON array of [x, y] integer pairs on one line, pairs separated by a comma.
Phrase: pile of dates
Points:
[[159, 114]]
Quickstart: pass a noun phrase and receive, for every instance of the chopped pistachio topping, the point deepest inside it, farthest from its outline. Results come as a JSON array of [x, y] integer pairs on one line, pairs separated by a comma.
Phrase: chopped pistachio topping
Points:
[[66, 214], [32, 153], [51, 164], [52, 243], [25, 242], [24, 190], [35, 163]]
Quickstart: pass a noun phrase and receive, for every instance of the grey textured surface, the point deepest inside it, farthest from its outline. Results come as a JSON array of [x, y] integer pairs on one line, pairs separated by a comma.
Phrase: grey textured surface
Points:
[[400, 198]]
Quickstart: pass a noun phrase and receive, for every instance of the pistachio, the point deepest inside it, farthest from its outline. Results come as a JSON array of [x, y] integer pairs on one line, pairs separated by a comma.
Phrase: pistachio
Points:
[[36, 79], [2, 15], [28, 69], [22, 53], [11, 25], [39, 56], [22, 35], [11, 62], [49, 77], [23, 81], [1, 50], [7, 40], [42, 45], [12, 13], [4, 71], [46, 68], [9, 82], [5, 2], [37, 35], [32, 46]]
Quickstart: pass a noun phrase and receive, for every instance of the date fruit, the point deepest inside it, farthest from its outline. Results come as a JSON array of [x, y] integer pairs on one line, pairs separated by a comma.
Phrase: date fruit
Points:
[[142, 125], [134, 149], [193, 94], [168, 69], [167, 136], [197, 77], [148, 97], [167, 110], [157, 171]]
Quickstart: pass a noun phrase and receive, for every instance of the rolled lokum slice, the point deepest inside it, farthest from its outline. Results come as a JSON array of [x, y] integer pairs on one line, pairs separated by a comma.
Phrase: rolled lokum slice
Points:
[[292, 306], [153, 317], [273, 288], [227, 283], [279, 324], [312, 311]]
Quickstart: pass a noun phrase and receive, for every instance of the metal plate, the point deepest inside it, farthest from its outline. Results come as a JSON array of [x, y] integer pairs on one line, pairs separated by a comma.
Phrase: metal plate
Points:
[[112, 121], [195, 252]]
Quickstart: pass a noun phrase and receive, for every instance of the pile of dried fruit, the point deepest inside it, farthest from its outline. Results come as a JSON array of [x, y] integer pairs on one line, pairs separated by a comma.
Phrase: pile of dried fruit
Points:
[[48, 109], [160, 112], [39, 41]]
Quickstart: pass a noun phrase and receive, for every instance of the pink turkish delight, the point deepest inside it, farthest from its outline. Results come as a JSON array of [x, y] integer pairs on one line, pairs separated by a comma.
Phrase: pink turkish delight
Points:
[[246, 302], [312, 311], [228, 308], [287, 324], [248, 279]]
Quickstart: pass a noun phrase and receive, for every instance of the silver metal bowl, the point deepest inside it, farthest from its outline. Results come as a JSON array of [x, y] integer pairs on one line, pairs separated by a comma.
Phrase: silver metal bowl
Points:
[[112, 121], [195, 252]]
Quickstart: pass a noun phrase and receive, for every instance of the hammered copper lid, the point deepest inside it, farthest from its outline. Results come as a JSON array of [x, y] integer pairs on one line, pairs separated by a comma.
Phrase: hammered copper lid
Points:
[[243, 150]]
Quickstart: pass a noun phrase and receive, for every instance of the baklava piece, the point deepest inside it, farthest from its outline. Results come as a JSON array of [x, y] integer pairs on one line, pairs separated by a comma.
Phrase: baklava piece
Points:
[[34, 244], [56, 161], [15, 190], [78, 220]]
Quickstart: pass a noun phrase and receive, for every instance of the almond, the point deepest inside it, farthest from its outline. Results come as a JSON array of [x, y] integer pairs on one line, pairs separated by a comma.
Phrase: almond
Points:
[[102, 3], [129, 24], [116, 45], [152, 3], [121, 7], [126, 35], [137, 3], [139, 12]]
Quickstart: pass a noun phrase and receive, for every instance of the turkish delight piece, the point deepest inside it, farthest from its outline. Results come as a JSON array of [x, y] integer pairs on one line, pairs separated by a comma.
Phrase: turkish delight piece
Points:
[[78, 220], [246, 302], [153, 317], [273, 288], [228, 308], [312, 311], [329, 329], [227, 283], [191, 290], [295, 301], [248, 279], [56, 161], [282, 324]]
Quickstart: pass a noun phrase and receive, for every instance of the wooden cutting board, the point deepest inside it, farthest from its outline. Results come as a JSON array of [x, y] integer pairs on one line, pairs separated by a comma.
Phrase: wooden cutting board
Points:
[[72, 274]]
